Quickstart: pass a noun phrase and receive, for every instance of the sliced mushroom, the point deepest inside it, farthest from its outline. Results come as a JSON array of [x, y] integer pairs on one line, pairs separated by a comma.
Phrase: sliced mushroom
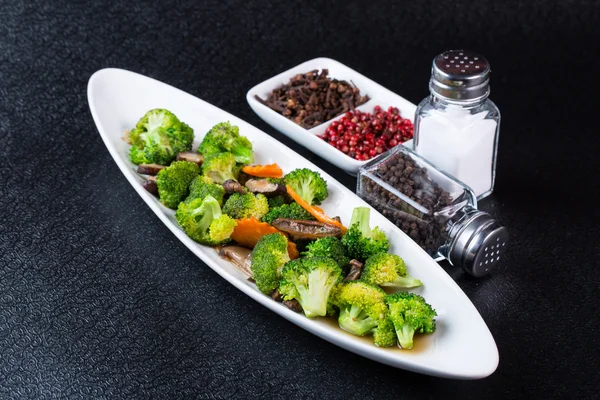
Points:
[[126, 137], [243, 178], [150, 185], [191, 157], [238, 256], [299, 229], [276, 296], [265, 187], [232, 186], [293, 305], [355, 270], [150, 169]]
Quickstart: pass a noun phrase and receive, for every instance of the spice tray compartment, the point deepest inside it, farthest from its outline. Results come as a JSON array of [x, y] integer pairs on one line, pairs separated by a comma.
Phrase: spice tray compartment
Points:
[[308, 138]]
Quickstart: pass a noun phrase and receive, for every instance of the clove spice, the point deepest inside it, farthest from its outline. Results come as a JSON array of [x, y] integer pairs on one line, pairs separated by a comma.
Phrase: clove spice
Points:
[[313, 98]]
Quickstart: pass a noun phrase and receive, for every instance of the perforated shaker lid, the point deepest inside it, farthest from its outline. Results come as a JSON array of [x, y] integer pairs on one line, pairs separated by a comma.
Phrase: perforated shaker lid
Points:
[[460, 75], [480, 245]]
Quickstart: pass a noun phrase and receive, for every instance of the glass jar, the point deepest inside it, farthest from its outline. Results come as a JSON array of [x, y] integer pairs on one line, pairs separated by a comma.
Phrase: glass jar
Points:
[[433, 208], [457, 125]]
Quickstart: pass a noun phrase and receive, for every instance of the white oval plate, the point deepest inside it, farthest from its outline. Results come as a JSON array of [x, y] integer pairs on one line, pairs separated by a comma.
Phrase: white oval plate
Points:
[[309, 137], [462, 347]]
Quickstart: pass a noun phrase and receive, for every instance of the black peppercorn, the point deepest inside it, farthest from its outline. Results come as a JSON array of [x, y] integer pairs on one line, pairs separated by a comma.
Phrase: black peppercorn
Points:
[[402, 173]]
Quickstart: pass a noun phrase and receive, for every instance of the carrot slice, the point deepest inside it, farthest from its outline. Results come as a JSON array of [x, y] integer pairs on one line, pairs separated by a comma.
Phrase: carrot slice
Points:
[[319, 209], [264, 171], [314, 211], [248, 231], [292, 250]]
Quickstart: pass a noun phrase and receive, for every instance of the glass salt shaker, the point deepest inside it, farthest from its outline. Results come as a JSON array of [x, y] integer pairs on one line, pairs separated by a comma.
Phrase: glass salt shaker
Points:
[[435, 209], [457, 126]]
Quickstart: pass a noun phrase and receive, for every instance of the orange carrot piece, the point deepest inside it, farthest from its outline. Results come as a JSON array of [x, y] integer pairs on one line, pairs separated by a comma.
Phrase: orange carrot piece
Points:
[[264, 171], [292, 250], [248, 231], [319, 209], [314, 211]]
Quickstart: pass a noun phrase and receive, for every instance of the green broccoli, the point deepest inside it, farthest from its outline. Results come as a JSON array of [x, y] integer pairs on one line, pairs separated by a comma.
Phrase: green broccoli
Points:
[[291, 211], [239, 206], [310, 281], [277, 201], [307, 184], [363, 311], [201, 187], [410, 313], [174, 181], [202, 220], [268, 258], [187, 136], [385, 269], [330, 247], [158, 137], [280, 199], [385, 334], [220, 167], [279, 181], [224, 137], [360, 241]]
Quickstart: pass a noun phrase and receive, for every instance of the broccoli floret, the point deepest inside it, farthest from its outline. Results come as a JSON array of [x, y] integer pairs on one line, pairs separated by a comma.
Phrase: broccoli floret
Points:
[[202, 220], [220, 167], [363, 311], [137, 156], [174, 181], [388, 270], [330, 247], [307, 184], [385, 334], [280, 199], [239, 206], [361, 241], [224, 137], [277, 201], [291, 211], [279, 181], [187, 135], [410, 313], [268, 258], [310, 281], [158, 137], [201, 187], [242, 150]]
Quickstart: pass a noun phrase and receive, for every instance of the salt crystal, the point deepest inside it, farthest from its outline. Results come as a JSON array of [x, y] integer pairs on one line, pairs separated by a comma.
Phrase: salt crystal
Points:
[[461, 145]]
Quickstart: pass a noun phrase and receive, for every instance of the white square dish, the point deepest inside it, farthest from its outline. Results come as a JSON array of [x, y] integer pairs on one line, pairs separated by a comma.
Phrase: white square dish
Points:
[[309, 137]]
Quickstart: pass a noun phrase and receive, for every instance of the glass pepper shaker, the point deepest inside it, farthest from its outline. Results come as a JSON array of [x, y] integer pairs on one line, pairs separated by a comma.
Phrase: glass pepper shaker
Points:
[[457, 126], [435, 209]]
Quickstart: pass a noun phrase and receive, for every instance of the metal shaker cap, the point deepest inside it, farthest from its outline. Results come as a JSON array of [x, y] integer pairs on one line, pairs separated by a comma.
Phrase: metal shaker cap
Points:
[[480, 244], [460, 75]]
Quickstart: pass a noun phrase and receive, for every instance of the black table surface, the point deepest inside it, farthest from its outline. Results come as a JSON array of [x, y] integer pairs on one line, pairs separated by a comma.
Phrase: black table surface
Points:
[[99, 300]]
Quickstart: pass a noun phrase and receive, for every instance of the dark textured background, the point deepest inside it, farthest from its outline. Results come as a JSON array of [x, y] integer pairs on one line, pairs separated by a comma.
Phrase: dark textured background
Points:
[[99, 300]]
